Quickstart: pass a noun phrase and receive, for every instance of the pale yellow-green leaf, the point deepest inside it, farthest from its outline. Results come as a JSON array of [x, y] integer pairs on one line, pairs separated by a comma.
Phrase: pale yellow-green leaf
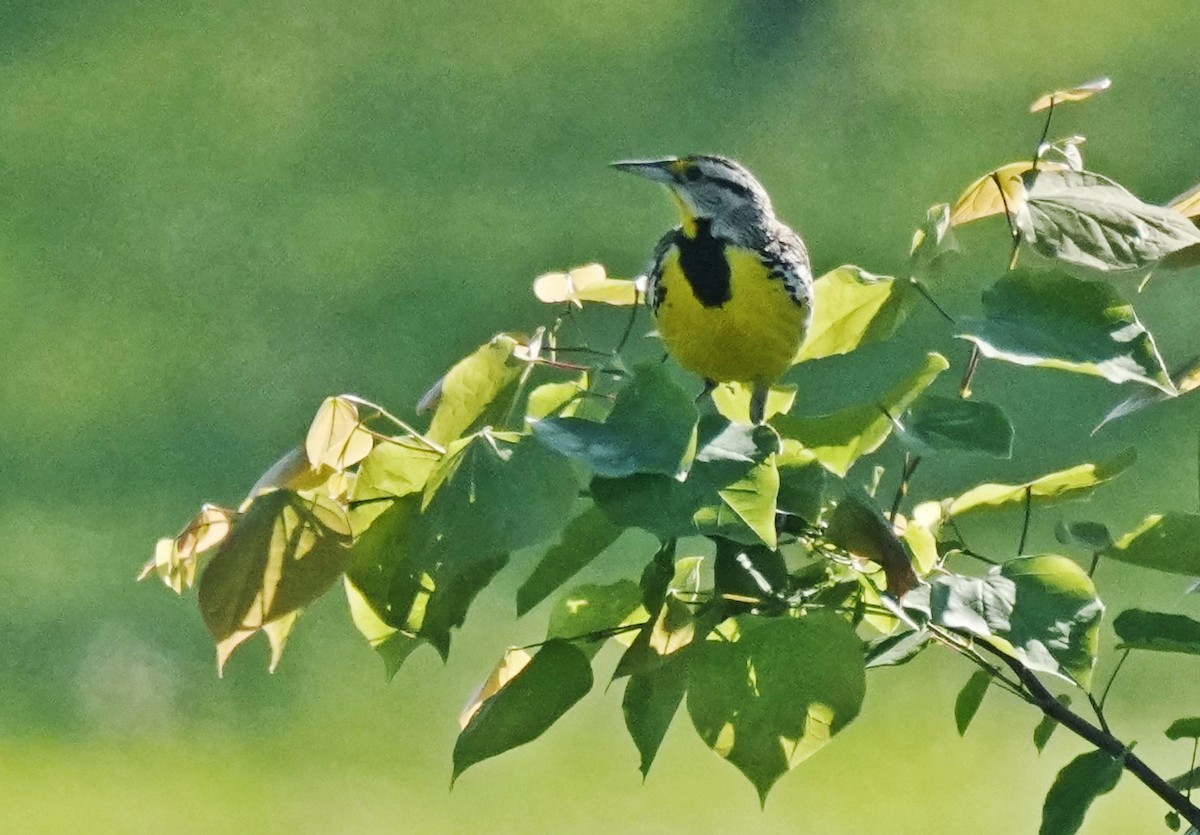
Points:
[[513, 662], [1080, 93], [278, 631], [1188, 203], [176, 560], [336, 437], [852, 307], [1064, 484], [983, 198], [753, 498], [470, 387], [555, 399], [733, 400], [291, 472], [588, 283]]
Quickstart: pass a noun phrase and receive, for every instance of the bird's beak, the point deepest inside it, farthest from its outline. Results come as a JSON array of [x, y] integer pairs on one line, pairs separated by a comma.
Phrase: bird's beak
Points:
[[659, 170]]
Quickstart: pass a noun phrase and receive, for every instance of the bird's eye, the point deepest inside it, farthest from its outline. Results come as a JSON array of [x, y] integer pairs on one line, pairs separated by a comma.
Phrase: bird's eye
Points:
[[692, 174]]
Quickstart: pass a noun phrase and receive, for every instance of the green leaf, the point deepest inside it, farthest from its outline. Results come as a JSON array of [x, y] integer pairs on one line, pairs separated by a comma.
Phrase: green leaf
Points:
[[464, 394], [336, 437], [1046, 728], [951, 424], [284, 552], [897, 649], [802, 481], [1187, 780], [546, 687], [932, 241], [857, 525], [676, 629], [651, 701], [583, 539], [1158, 631], [394, 469], [1082, 780], [652, 429], [733, 401], [392, 645], [1045, 610], [1188, 728], [1051, 320], [1092, 536], [966, 705], [1073, 483], [852, 308], [770, 699], [1163, 541], [593, 608], [1090, 221], [588, 283], [982, 198], [495, 493], [731, 473], [1186, 379], [455, 589], [753, 578], [840, 438]]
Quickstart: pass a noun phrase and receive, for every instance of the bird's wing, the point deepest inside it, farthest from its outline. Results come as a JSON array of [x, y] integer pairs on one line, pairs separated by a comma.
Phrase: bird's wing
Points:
[[787, 256], [655, 290]]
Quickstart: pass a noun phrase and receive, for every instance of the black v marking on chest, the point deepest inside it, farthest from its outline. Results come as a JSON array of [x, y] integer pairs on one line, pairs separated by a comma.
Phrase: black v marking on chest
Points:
[[702, 260]]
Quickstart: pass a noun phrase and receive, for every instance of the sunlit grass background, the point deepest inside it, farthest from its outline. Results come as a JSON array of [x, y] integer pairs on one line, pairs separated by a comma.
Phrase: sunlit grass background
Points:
[[215, 214]]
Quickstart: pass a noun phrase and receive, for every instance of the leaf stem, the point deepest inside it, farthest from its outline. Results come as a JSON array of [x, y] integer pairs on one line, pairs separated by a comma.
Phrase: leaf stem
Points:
[[1025, 522], [929, 298], [436, 447], [1013, 232], [633, 311], [1113, 677], [964, 388]]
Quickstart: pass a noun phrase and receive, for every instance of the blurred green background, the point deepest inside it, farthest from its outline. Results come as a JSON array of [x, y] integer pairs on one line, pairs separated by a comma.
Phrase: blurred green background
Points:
[[215, 214]]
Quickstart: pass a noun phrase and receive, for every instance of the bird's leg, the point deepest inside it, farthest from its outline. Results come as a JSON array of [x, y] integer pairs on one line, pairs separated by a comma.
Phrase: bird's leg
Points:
[[758, 404]]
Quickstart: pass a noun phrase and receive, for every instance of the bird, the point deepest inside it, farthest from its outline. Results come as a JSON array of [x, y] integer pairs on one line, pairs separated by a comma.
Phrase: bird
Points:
[[731, 286]]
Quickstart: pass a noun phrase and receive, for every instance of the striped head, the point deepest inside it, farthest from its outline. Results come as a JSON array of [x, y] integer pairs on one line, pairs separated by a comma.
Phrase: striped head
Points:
[[710, 188]]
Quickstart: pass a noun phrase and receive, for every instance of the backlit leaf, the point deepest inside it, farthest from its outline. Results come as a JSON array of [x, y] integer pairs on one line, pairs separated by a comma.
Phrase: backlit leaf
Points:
[[464, 394], [1090, 221], [336, 437], [1188, 203], [952, 424], [1082, 780], [1163, 541], [526, 705], [853, 307], [651, 700], [1158, 631], [583, 539], [1080, 93], [393, 646], [838, 439], [395, 468], [285, 551], [1052, 320], [177, 560], [967, 703], [652, 429], [1072, 483], [733, 401], [585, 284], [858, 526], [983, 198], [777, 694]]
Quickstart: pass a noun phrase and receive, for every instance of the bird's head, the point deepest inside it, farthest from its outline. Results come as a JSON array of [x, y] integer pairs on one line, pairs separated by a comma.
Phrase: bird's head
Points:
[[706, 187]]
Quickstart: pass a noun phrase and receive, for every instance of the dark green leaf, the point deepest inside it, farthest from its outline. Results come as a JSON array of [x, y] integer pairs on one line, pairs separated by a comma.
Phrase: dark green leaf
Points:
[[1046, 728], [952, 424], [392, 645], [853, 307], [1093, 536], [897, 649], [526, 706], [1188, 728], [770, 699], [1082, 780], [593, 608], [651, 700], [1074, 483], [1187, 780], [749, 578], [966, 705], [858, 526], [1186, 379], [455, 588], [496, 494], [802, 481], [656, 576], [840, 438], [1158, 631], [1090, 221], [583, 539], [1045, 607], [1163, 541], [652, 429], [676, 628], [1052, 320]]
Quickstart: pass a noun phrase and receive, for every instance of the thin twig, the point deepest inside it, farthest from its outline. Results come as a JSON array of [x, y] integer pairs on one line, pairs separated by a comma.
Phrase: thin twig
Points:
[[929, 298], [1113, 677], [964, 388], [436, 447], [1025, 523], [629, 324]]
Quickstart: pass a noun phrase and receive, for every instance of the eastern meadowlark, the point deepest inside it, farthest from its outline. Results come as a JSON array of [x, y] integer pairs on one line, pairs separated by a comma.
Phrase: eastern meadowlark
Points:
[[731, 286]]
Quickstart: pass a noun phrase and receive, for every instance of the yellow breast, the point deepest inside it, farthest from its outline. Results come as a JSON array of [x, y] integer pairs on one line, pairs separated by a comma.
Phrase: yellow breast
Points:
[[752, 338]]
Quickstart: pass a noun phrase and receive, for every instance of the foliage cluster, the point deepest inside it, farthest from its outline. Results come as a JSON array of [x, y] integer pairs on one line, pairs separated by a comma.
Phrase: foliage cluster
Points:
[[782, 572]]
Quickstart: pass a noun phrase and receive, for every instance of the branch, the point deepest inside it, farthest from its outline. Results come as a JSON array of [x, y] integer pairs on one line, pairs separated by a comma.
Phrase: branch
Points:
[[1103, 740]]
